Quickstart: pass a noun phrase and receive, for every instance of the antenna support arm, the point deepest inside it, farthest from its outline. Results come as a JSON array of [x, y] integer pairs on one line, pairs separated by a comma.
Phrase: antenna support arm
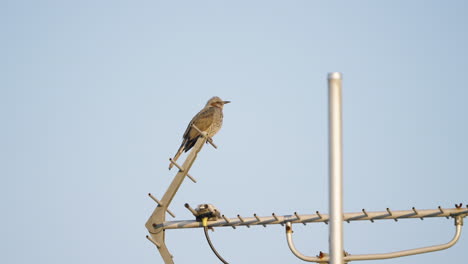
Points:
[[325, 259]]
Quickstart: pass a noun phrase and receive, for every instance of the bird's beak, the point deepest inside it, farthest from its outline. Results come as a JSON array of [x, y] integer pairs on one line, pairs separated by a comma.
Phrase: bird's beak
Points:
[[226, 102]]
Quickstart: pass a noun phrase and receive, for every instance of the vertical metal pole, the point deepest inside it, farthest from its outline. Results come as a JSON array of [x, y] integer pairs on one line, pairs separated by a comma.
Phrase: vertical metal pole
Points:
[[335, 169]]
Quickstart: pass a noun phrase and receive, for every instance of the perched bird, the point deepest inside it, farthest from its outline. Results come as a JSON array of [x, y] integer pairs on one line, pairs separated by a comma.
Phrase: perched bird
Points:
[[208, 120]]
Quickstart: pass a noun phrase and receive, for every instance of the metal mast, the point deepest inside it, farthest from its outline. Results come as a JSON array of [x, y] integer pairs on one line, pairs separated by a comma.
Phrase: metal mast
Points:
[[335, 168]]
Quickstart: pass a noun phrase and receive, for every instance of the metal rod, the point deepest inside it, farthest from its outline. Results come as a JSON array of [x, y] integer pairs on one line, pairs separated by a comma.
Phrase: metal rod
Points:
[[155, 223], [316, 218], [442, 211], [416, 212], [277, 219], [296, 252], [321, 217], [182, 170], [154, 242], [242, 220], [191, 178], [190, 209], [391, 214], [208, 139], [335, 168], [258, 219], [228, 221], [298, 217], [365, 213], [409, 252], [155, 199], [160, 204], [324, 259]]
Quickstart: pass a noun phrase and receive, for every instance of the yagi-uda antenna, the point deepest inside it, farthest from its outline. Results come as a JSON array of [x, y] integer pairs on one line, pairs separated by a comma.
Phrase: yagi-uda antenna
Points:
[[207, 216]]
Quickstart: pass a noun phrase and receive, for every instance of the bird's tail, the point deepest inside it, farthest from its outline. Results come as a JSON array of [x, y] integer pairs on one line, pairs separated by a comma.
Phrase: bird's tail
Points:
[[177, 155]]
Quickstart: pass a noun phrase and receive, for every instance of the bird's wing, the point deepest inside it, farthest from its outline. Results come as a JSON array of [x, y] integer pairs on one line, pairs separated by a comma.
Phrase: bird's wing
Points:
[[202, 121]]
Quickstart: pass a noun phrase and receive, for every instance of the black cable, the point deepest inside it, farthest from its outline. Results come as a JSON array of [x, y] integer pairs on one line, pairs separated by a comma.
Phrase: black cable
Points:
[[205, 228]]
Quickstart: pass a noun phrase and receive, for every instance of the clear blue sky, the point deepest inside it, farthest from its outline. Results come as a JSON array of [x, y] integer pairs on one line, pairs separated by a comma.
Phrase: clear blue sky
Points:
[[95, 97]]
